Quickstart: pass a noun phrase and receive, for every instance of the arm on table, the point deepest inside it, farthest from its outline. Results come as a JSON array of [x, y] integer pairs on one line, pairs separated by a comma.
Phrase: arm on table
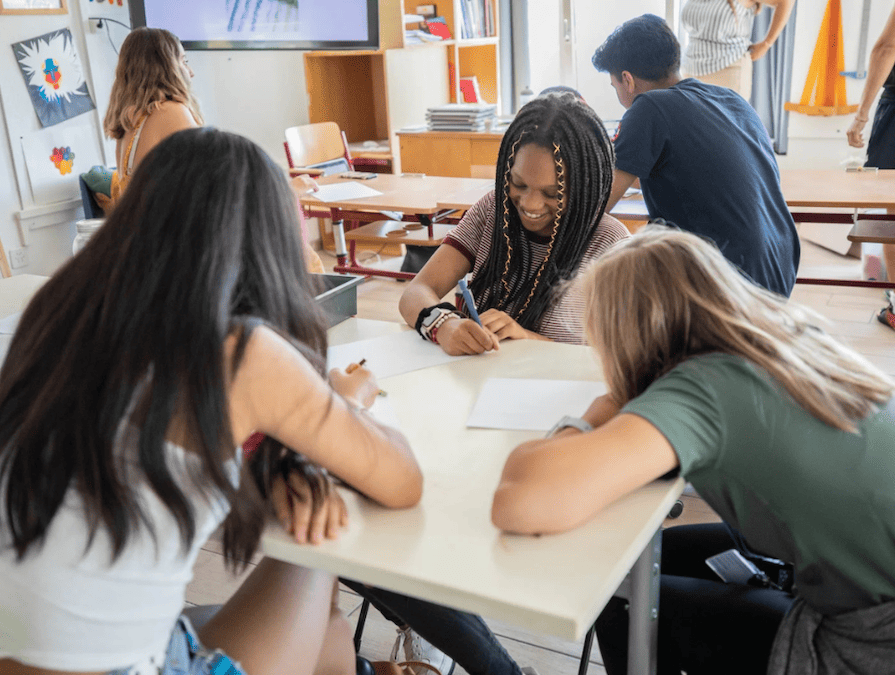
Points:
[[276, 391], [438, 276], [621, 181], [557, 484], [882, 58], [782, 10]]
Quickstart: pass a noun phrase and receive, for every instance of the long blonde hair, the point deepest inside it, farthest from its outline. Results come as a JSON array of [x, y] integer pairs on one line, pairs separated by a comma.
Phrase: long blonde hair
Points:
[[147, 75], [663, 296]]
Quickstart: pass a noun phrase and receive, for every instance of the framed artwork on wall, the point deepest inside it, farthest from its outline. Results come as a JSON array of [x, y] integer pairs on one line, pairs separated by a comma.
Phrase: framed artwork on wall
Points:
[[33, 7]]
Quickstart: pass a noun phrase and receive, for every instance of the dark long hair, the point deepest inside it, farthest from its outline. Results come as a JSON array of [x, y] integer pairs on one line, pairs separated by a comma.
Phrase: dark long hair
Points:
[[584, 159], [204, 244]]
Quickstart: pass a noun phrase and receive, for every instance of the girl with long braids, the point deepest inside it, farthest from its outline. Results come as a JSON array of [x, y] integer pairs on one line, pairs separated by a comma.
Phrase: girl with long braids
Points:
[[542, 224]]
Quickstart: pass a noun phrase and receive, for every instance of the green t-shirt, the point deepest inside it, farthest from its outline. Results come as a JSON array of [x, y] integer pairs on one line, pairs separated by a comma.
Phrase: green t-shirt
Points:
[[797, 489]]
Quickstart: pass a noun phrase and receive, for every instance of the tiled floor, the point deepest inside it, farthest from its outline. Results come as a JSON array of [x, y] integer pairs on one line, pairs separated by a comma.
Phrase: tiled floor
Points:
[[852, 317]]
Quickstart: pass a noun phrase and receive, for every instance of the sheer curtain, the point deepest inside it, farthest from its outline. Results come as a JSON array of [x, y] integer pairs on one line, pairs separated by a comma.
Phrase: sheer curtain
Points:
[[772, 79]]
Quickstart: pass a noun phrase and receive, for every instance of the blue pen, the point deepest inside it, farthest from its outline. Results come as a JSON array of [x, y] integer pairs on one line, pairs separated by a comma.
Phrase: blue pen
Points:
[[470, 301]]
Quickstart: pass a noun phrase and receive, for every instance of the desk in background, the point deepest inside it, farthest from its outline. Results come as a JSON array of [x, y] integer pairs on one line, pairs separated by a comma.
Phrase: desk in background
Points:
[[446, 550], [462, 154], [416, 197], [629, 210]]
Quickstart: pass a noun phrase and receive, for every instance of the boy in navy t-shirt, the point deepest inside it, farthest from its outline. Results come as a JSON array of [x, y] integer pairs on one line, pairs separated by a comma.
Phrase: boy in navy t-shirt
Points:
[[702, 155]]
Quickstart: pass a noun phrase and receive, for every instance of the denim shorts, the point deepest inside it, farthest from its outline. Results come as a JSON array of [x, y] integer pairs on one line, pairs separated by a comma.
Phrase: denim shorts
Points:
[[187, 656]]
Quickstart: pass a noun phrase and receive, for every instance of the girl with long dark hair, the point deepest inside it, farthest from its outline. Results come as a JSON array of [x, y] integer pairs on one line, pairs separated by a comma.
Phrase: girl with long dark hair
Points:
[[186, 324]]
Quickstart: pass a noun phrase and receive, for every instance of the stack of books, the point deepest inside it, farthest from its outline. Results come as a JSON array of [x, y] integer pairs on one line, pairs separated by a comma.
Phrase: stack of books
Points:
[[460, 116]]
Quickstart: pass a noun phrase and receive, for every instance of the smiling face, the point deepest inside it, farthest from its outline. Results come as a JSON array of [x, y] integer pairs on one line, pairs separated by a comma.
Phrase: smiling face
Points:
[[533, 189]]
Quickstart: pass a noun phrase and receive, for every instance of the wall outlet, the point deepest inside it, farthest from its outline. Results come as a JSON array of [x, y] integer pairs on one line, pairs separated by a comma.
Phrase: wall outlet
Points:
[[18, 257], [93, 25]]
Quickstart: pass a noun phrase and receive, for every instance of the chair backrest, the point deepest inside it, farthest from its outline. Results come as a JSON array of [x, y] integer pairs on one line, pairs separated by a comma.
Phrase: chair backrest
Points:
[[311, 144], [91, 208]]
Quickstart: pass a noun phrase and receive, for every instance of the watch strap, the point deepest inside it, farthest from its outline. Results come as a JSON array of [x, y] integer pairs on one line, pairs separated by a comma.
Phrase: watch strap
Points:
[[428, 310], [569, 421]]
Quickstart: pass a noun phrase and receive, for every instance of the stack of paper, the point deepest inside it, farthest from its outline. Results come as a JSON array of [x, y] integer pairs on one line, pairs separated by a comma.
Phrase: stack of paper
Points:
[[460, 116]]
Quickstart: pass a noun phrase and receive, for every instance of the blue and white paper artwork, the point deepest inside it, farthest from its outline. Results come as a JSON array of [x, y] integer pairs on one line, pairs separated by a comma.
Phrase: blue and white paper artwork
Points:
[[54, 77]]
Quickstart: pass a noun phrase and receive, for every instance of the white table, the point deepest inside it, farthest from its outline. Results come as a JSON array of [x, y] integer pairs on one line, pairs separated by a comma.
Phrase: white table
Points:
[[15, 292], [446, 550]]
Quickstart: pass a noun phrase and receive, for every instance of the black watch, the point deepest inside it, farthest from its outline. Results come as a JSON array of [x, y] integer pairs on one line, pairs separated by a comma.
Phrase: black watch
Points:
[[428, 316]]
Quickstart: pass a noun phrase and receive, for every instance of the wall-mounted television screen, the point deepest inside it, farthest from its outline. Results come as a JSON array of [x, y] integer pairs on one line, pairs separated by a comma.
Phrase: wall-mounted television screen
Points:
[[264, 24]]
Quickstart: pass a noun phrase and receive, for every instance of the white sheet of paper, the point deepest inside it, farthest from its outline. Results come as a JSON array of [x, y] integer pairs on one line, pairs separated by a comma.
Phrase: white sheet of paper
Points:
[[337, 192], [390, 354], [530, 405], [384, 413], [9, 324]]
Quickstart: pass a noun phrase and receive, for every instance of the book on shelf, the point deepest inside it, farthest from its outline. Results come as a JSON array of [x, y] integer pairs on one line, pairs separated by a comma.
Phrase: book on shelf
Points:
[[438, 26], [469, 89], [477, 19], [418, 37]]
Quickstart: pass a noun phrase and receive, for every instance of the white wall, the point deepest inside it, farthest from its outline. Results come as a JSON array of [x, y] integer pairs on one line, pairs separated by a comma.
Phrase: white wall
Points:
[[254, 93]]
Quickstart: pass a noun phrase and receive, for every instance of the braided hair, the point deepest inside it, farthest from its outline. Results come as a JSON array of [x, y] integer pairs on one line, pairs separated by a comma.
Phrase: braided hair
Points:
[[584, 159]]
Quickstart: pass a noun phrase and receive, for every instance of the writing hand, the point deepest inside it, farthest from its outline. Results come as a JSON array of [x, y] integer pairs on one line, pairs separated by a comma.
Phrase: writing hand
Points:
[[855, 137], [304, 184], [503, 325], [307, 504], [458, 337], [759, 49], [358, 387]]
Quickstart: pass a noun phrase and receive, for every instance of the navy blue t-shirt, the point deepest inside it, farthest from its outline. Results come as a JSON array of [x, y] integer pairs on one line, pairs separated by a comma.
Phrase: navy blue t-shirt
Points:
[[706, 164]]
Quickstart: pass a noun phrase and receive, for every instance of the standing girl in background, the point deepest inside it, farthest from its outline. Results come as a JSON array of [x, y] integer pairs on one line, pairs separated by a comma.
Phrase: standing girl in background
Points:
[[544, 221], [185, 324], [881, 145], [720, 49], [151, 99], [787, 434]]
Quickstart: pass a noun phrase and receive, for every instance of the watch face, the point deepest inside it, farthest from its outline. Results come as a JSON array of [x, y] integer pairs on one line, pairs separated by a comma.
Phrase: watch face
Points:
[[432, 316]]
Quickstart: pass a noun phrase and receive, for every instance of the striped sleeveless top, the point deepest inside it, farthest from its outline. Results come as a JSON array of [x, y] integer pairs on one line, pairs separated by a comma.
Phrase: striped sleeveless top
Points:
[[718, 37]]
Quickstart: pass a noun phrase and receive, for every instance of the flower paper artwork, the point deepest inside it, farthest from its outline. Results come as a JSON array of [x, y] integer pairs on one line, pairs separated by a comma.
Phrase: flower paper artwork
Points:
[[56, 157], [54, 77]]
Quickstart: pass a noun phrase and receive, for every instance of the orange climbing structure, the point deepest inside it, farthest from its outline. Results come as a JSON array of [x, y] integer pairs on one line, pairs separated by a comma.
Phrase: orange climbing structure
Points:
[[824, 92]]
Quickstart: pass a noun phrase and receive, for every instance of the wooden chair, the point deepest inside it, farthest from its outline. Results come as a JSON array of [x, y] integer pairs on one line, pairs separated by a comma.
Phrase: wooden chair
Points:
[[321, 149], [317, 149]]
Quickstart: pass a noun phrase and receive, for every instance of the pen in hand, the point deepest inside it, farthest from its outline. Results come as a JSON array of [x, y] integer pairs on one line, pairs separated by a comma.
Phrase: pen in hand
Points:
[[469, 300], [351, 367], [354, 366]]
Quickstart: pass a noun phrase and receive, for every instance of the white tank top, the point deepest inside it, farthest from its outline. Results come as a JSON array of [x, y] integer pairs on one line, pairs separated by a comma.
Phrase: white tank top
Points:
[[64, 609]]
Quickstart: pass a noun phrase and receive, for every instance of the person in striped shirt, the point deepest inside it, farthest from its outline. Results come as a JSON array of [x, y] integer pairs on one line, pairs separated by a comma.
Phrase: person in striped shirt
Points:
[[544, 222], [720, 49]]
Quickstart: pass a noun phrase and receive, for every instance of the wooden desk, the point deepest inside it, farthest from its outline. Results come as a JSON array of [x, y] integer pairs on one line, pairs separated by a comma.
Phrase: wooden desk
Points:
[[630, 210], [827, 191], [447, 551], [416, 197], [465, 154], [835, 188]]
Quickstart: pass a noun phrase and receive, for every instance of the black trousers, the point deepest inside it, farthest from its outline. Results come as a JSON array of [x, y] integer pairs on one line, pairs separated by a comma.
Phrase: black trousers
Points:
[[706, 627]]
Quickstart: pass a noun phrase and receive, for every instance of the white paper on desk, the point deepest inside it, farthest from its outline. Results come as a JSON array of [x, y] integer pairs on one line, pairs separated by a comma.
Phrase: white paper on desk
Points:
[[384, 413], [338, 192], [390, 354], [530, 405], [9, 324]]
